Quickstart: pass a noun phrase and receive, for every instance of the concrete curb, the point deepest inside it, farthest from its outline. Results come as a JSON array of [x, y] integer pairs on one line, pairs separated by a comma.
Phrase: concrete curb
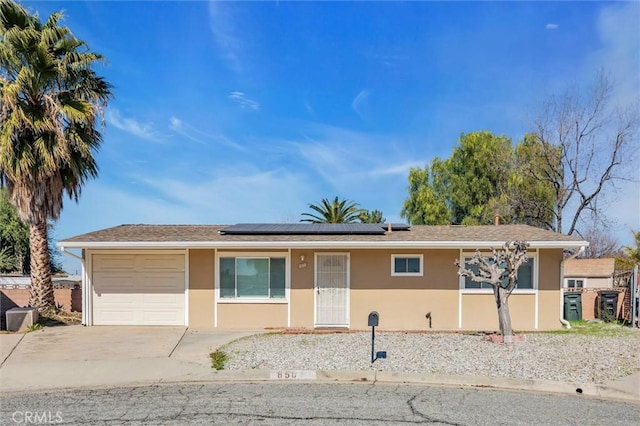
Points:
[[544, 386], [541, 386], [196, 373]]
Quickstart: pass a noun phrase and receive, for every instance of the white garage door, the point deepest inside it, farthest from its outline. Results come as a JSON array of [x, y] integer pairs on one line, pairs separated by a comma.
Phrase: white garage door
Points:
[[138, 289]]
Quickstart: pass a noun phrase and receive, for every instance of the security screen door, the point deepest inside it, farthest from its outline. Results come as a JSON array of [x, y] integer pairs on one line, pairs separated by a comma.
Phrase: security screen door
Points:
[[332, 290]]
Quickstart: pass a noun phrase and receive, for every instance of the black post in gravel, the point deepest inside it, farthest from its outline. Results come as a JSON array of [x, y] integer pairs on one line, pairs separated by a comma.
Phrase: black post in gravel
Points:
[[373, 322]]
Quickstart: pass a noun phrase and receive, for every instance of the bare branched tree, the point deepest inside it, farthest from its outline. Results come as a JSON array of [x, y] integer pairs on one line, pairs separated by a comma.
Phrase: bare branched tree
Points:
[[601, 244], [587, 144], [500, 270]]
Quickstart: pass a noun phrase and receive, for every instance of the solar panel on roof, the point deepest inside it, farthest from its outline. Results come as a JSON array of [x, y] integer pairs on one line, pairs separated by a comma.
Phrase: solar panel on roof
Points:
[[400, 227], [305, 229]]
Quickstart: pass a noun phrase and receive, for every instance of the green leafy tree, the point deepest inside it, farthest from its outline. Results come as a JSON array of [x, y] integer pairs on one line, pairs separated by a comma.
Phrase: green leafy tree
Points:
[[428, 202], [52, 104], [14, 238], [479, 179], [531, 199], [633, 253], [7, 261], [371, 216], [336, 211], [479, 170], [14, 241]]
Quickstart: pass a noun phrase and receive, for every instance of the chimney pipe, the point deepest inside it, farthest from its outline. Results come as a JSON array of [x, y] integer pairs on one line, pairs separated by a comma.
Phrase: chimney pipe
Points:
[[496, 218], [389, 229]]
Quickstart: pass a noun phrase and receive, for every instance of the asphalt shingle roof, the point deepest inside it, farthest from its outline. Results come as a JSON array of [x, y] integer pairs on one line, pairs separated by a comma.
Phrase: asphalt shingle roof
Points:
[[417, 233]]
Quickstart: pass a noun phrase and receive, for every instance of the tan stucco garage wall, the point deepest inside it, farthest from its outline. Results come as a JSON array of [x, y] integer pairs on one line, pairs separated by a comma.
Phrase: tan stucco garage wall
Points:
[[201, 288], [252, 315]]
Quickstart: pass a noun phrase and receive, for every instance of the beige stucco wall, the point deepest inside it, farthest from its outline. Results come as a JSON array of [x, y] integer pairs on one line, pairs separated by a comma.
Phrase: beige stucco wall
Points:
[[404, 309], [479, 312], [201, 288], [549, 284], [302, 292], [402, 302], [252, 315]]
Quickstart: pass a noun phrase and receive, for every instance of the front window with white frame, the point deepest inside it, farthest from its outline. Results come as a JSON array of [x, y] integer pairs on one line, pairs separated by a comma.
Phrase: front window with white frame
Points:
[[410, 265], [527, 276], [252, 276]]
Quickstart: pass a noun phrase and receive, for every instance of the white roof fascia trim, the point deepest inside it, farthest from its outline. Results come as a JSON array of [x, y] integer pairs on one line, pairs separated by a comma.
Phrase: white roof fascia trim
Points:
[[312, 244]]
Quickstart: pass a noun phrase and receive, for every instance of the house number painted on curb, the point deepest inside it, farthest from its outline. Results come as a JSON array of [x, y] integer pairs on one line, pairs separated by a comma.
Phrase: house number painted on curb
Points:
[[292, 375]]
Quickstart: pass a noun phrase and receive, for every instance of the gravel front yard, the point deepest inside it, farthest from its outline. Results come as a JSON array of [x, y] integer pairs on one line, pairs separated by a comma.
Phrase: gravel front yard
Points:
[[561, 357]]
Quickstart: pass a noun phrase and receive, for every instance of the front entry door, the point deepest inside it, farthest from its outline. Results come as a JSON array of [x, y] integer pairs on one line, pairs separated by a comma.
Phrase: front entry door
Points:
[[332, 290]]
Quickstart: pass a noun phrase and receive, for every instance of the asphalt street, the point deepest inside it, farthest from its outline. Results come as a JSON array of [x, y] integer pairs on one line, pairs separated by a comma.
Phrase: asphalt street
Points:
[[309, 403]]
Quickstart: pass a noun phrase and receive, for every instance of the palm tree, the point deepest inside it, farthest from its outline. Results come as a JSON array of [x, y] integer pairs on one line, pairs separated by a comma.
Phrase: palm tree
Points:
[[336, 211], [51, 106], [371, 216]]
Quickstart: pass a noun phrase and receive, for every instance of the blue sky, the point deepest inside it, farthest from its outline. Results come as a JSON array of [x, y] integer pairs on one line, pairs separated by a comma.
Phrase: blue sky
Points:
[[248, 111]]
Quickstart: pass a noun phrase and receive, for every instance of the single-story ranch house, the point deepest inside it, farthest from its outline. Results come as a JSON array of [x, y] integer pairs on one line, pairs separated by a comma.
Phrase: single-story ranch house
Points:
[[312, 276]]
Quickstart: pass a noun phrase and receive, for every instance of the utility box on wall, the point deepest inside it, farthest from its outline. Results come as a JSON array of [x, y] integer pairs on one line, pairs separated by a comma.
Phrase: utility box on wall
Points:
[[20, 319]]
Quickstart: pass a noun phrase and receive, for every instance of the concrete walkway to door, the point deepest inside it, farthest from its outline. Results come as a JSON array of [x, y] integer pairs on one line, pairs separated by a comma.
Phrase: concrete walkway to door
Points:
[[77, 356]]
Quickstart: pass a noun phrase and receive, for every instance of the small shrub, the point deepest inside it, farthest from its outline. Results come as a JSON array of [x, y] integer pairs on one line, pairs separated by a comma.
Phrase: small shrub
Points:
[[607, 316], [218, 359], [34, 327]]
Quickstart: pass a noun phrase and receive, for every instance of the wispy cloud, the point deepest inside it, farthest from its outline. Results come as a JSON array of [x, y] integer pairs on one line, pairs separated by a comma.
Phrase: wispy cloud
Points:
[[192, 133], [618, 56], [248, 194], [351, 161], [551, 26], [401, 168], [132, 126], [244, 102], [222, 26], [359, 103], [309, 108], [617, 26]]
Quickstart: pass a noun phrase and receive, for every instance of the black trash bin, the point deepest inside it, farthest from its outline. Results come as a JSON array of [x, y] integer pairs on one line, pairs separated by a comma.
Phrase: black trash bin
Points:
[[573, 306], [608, 304]]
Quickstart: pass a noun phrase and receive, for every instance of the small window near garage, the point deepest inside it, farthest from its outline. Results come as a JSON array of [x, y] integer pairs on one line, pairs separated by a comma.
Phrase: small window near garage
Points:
[[406, 265], [573, 283], [252, 277]]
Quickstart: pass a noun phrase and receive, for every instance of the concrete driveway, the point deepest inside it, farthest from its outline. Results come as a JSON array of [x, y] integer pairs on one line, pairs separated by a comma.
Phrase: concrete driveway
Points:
[[77, 356], [78, 343]]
